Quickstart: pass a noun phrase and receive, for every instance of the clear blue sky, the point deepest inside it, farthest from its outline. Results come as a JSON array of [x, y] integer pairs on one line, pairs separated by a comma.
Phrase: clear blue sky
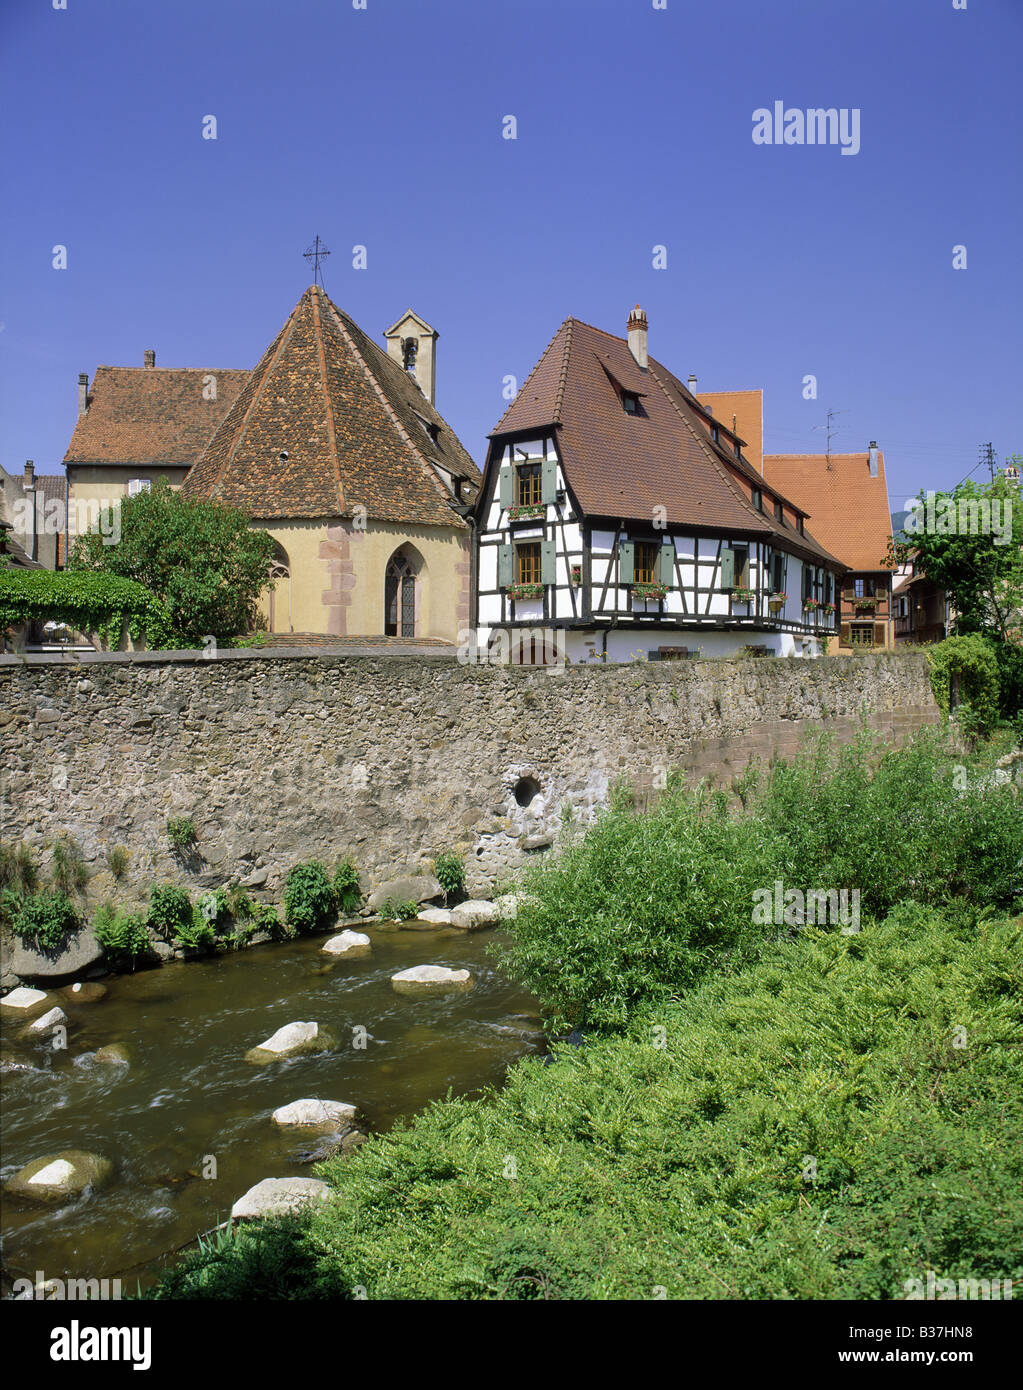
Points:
[[383, 127]]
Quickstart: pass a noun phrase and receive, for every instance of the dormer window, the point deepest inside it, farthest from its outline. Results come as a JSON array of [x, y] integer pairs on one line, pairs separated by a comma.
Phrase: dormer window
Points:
[[758, 499], [779, 512], [430, 428], [799, 524], [714, 433], [630, 403], [737, 447]]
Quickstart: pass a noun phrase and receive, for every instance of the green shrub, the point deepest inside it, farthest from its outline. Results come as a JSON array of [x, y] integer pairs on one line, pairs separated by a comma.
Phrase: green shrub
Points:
[[170, 911], [267, 919], [198, 933], [17, 868], [99, 603], [121, 934], [394, 910], [69, 872], [117, 860], [46, 919], [240, 904], [181, 834], [347, 894], [974, 660], [450, 873], [676, 1155], [309, 902]]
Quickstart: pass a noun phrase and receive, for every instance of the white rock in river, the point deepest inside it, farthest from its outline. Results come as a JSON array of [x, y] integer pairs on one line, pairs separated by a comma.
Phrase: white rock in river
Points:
[[314, 1114], [436, 916], [474, 914], [293, 1040], [24, 999], [422, 980], [45, 1022], [60, 1175], [274, 1195], [350, 944]]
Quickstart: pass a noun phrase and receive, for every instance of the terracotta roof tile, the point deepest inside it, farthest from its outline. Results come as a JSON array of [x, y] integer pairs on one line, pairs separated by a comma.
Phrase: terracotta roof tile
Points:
[[848, 508], [747, 408], [152, 415], [351, 421], [627, 465]]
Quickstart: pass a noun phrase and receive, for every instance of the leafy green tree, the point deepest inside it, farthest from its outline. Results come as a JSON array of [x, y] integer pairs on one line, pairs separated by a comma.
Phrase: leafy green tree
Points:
[[201, 559]]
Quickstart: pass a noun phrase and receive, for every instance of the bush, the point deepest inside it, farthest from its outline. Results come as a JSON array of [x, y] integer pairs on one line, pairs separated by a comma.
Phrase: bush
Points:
[[394, 911], [170, 912], [46, 920], [122, 935], [69, 873], [240, 904], [645, 906], [974, 660], [450, 873], [676, 1155], [99, 603], [346, 887], [181, 834], [309, 902]]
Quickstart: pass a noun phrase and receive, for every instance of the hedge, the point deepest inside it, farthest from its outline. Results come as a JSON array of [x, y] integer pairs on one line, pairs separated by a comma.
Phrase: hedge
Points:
[[86, 602]]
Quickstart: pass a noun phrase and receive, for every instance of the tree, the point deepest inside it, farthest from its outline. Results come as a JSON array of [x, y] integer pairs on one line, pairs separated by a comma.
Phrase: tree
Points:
[[201, 559], [970, 543]]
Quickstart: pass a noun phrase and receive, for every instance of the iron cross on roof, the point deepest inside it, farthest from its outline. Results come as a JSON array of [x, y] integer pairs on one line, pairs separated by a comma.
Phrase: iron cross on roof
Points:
[[315, 254]]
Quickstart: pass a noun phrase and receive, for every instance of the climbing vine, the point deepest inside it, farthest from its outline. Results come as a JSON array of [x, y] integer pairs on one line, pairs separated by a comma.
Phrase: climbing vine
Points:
[[972, 659], [87, 602]]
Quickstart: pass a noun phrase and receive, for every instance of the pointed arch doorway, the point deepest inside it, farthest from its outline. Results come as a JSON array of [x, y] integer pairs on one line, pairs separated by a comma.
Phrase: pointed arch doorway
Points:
[[400, 596]]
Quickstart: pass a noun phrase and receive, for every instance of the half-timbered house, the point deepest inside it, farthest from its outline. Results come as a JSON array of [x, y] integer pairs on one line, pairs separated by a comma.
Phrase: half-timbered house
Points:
[[619, 519]]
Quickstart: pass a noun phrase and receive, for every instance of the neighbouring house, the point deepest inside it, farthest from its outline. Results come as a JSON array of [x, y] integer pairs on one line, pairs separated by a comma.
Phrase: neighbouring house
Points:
[[137, 424], [846, 495], [619, 517], [34, 508], [334, 447], [922, 611]]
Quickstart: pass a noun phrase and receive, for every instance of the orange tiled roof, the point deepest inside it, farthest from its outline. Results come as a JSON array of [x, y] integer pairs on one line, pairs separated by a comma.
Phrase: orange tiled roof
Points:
[[152, 415], [848, 508], [356, 428], [748, 409]]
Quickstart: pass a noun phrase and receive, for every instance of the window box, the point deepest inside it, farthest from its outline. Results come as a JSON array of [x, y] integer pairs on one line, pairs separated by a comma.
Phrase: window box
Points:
[[811, 604], [647, 593], [525, 590], [743, 595], [828, 608], [576, 573], [866, 603], [533, 509]]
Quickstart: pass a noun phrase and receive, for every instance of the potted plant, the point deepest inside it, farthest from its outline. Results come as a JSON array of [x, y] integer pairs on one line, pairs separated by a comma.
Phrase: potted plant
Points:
[[646, 593], [778, 600], [576, 575], [828, 608], [516, 513], [743, 595], [525, 590], [811, 603]]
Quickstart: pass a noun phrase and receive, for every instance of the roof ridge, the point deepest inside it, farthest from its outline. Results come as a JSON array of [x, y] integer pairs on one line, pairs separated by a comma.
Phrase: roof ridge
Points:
[[532, 373], [331, 431], [559, 395]]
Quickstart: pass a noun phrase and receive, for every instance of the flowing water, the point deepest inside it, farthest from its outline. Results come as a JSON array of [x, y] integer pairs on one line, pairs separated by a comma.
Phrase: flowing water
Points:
[[189, 1094]]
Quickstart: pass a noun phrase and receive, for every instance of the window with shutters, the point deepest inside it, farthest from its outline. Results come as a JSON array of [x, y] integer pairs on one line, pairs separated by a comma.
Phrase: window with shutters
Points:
[[645, 563], [777, 572], [741, 553], [861, 634], [529, 484], [527, 563]]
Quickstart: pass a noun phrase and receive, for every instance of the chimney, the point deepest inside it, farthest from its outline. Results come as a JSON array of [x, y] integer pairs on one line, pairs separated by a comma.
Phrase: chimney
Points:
[[149, 360], [83, 393], [30, 475], [691, 383], [637, 336], [872, 455]]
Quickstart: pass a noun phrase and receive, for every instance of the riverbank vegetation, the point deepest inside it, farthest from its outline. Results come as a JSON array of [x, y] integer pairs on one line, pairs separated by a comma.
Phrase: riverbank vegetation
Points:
[[758, 1110]]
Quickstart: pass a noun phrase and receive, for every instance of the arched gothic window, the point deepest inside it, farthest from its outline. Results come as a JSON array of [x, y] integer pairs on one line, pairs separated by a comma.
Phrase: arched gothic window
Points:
[[400, 598], [280, 594]]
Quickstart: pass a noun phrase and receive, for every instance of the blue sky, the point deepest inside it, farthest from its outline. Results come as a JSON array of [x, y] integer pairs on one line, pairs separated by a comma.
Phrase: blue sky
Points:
[[383, 127]]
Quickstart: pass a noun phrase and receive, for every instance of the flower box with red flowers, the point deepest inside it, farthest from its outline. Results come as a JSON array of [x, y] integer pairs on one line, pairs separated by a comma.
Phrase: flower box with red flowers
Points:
[[743, 595], [525, 590], [533, 509], [649, 593]]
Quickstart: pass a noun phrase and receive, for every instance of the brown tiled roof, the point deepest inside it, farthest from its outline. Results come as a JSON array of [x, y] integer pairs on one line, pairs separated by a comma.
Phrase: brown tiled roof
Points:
[[51, 485], [152, 415], [350, 420], [747, 409], [849, 508], [624, 465]]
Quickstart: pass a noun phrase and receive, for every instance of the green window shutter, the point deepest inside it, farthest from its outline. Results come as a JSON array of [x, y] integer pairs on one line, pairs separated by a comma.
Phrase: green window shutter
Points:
[[549, 482], [626, 562], [504, 565], [667, 565], [506, 481], [727, 567], [547, 562]]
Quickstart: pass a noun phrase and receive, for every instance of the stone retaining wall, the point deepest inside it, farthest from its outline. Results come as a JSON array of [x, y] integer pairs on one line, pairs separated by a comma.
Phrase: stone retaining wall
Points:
[[284, 756]]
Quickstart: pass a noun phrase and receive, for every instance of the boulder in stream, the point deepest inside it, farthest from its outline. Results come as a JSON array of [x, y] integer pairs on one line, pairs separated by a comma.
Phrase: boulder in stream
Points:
[[421, 981], [113, 1054], [350, 944], [474, 914], [46, 1022], [293, 1040], [84, 992], [419, 888], [24, 1000], [275, 1195], [82, 951], [314, 1114], [435, 916], [60, 1176]]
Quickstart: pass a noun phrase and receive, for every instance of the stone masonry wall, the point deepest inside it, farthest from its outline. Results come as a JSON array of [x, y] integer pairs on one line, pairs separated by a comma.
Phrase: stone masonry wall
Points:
[[288, 756]]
